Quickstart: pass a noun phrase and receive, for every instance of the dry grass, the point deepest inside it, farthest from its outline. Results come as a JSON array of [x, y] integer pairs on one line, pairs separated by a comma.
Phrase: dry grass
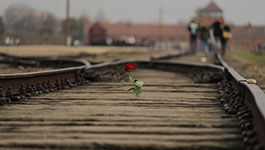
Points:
[[248, 68], [48, 50], [7, 69]]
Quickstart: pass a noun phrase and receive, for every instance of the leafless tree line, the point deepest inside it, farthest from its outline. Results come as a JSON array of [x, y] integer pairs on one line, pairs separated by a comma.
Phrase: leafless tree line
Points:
[[37, 27]]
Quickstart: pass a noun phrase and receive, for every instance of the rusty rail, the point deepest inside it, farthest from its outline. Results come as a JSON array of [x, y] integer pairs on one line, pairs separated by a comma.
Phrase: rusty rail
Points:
[[20, 86]]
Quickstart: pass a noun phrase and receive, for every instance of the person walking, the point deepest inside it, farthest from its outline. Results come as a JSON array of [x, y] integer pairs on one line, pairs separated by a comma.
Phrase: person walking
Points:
[[217, 33], [193, 27], [226, 35], [204, 37]]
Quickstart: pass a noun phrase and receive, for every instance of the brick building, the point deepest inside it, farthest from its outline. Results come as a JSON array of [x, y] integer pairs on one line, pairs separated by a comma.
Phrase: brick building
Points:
[[143, 32], [209, 14], [248, 37]]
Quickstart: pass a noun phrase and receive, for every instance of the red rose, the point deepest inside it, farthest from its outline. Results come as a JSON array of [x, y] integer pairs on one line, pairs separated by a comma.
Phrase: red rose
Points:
[[129, 67]]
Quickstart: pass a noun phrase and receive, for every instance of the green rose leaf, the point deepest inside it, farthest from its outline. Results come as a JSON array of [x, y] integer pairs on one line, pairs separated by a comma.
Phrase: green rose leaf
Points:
[[137, 92], [138, 83], [131, 89]]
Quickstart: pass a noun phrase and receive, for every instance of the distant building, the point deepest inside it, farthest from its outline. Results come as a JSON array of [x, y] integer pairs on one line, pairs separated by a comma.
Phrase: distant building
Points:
[[96, 35], [142, 32], [209, 14], [248, 37]]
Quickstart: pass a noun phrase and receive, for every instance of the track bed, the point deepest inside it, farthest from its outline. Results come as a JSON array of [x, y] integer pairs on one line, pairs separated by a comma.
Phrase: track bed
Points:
[[172, 113]]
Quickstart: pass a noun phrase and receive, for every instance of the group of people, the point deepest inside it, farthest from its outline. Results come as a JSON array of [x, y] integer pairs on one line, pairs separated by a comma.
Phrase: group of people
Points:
[[213, 37], [11, 41]]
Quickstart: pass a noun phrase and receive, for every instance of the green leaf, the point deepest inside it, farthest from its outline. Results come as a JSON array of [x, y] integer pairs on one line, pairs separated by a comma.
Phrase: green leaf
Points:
[[126, 79], [131, 89], [135, 93], [138, 83], [138, 92]]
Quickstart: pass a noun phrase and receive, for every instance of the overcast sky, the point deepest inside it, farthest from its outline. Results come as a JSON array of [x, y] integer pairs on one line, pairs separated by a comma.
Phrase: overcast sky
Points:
[[146, 11]]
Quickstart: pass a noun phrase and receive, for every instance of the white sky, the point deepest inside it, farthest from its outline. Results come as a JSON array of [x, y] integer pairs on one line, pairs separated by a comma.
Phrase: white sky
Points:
[[146, 11]]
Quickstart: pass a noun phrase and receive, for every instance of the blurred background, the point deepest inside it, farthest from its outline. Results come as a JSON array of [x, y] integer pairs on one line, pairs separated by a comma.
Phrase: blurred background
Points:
[[139, 22], [62, 27]]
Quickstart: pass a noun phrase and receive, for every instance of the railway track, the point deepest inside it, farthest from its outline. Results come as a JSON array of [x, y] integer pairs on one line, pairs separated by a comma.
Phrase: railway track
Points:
[[183, 106]]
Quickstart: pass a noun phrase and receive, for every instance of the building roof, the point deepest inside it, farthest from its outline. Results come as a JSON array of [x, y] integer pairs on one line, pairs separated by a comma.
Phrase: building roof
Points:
[[212, 7]]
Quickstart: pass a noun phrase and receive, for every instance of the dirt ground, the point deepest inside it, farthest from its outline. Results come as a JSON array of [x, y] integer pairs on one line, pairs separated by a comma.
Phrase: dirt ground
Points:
[[248, 69], [51, 50], [90, 53], [200, 57], [7, 69]]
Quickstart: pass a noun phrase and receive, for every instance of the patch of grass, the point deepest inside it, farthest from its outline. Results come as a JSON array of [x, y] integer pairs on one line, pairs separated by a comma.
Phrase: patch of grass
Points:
[[260, 58]]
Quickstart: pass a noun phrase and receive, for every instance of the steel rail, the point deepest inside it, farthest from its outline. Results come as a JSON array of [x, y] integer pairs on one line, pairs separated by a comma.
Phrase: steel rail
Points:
[[254, 98]]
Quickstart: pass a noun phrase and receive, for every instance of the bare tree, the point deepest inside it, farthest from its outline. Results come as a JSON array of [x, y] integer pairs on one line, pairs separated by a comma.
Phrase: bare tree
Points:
[[22, 18], [49, 25], [18, 16], [76, 27], [31, 25], [100, 16]]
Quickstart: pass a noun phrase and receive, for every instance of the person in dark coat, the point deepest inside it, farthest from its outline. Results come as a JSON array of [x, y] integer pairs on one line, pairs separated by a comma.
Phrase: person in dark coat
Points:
[[193, 27], [217, 32]]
